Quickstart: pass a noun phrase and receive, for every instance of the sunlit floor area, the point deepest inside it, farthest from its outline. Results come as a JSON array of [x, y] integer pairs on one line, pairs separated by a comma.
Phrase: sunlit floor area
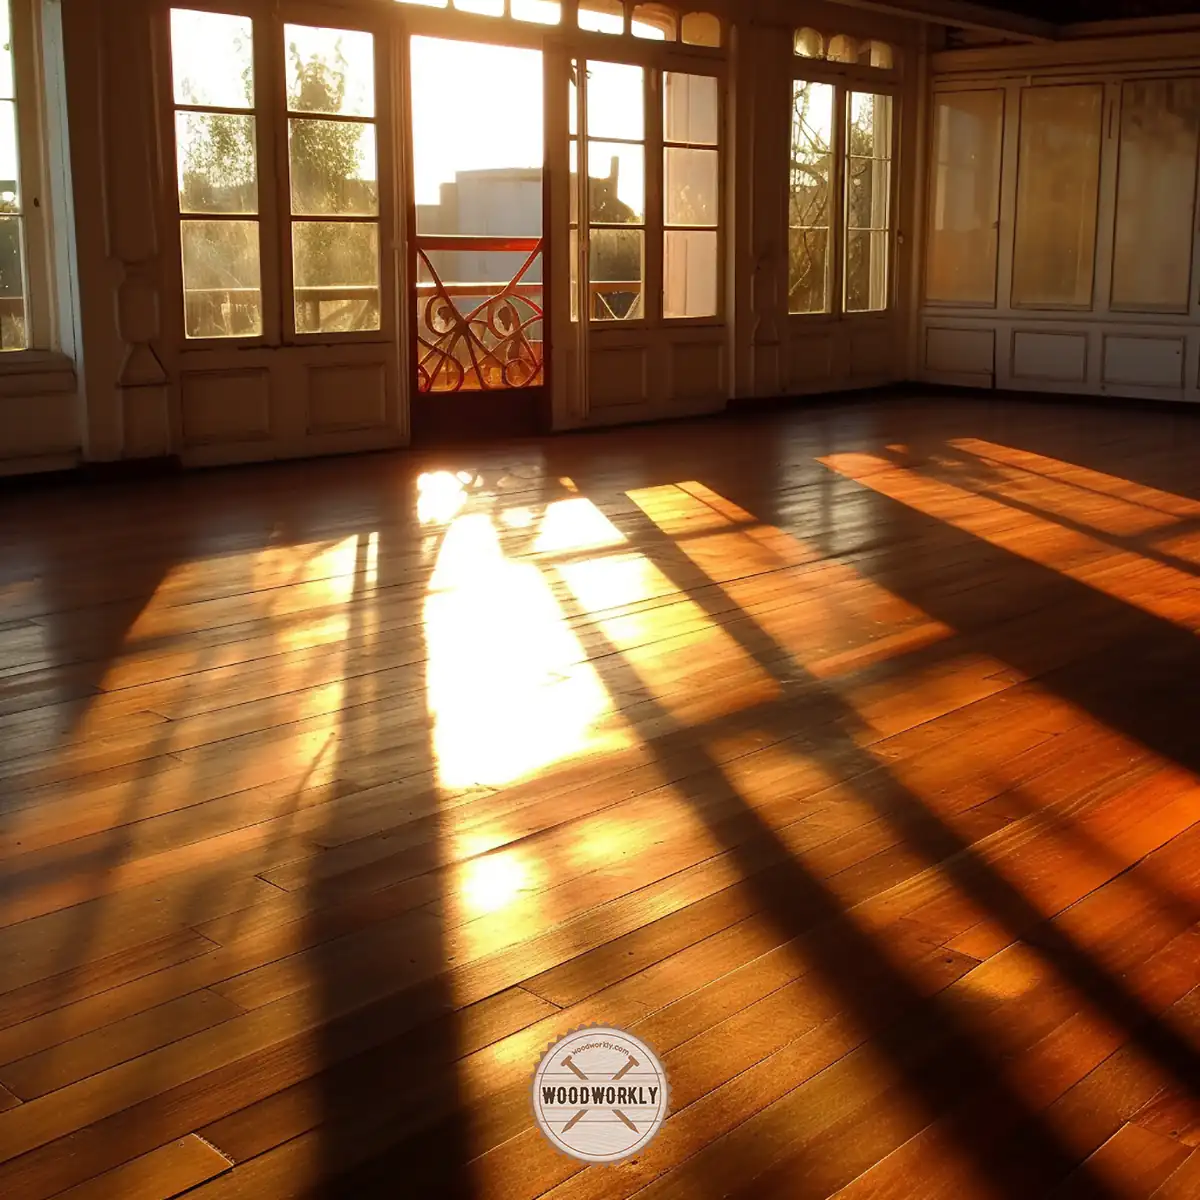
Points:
[[848, 755]]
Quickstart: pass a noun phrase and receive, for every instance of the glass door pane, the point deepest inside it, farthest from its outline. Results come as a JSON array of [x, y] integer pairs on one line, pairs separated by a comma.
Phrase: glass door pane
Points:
[[614, 145]]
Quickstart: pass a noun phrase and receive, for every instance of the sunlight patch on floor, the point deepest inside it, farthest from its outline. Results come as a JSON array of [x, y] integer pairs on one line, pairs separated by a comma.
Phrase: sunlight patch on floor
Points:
[[507, 685], [1156, 588]]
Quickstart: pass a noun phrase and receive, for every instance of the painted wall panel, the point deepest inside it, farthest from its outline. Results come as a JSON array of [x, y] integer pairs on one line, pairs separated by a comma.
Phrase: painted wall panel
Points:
[[618, 377], [1144, 361], [696, 371], [960, 351], [346, 397], [225, 406], [1056, 357]]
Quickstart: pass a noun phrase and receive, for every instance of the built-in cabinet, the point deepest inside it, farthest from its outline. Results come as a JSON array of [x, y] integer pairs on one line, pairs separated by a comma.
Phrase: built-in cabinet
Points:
[[1060, 225]]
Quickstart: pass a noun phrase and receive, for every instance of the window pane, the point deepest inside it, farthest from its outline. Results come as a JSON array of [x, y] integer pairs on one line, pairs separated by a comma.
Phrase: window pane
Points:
[[809, 211], [880, 55], [870, 129], [6, 58], [573, 156], [471, 176], [602, 16], [812, 135], [810, 171], [700, 29], [222, 288], [615, 101], [1058, 173], [689, 273], [842, 49], [691, 187], [13, 333], [212, 59], [543, 12], [330, 71], [808, 270], [333, 168], [573, 99], [868, 199], [218, 170], [1156, 194], [484, 8], [10, 166], [574, 241], [615, 268], [653, 21], [808, 43], [335, 268], [866, 270], [616, 184], [867, 182], [968, 129], [690, 108]]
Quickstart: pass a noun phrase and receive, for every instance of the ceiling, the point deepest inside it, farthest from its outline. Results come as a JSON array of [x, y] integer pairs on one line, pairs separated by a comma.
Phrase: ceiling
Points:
[[1067, 12]]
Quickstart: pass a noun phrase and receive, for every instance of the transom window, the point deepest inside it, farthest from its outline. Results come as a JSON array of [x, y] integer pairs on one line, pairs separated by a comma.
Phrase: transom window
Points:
[[841, 48], [658, 22]]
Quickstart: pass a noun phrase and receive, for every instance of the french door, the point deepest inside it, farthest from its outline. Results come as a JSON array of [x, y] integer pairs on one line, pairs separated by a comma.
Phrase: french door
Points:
[[646, 256]]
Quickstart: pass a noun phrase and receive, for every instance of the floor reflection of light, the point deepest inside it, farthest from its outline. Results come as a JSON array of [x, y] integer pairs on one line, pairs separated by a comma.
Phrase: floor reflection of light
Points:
[[440, 495], [818, 615], [575, 524], [492, 883], [371, 573], [663, 647], [615, 580], [508, 686], [517, 518], [605, 842]]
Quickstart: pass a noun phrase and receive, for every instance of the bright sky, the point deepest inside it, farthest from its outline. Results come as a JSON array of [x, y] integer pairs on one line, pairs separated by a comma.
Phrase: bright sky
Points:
[[480, 107]]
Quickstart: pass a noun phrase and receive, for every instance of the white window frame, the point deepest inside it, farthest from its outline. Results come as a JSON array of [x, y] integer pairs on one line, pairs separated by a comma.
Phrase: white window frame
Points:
[[846, 78], [37, 202], [274, 214], [657, 59], [382, 31]]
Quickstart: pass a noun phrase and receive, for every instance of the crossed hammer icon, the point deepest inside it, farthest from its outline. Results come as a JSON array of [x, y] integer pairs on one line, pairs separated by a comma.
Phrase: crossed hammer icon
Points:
[[569, 1063]]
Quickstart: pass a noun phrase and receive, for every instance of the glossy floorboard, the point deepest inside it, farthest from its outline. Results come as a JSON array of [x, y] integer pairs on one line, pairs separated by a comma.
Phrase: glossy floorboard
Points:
[[849, 756]]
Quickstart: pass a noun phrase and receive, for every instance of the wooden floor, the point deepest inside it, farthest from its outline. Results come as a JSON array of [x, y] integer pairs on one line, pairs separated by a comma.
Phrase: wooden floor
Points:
[[849, 756]]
